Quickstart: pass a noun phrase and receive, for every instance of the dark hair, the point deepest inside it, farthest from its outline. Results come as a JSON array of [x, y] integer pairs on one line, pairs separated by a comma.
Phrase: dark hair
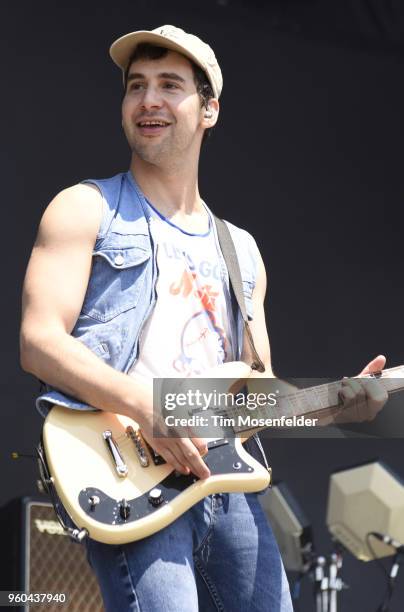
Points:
[[155, 52]]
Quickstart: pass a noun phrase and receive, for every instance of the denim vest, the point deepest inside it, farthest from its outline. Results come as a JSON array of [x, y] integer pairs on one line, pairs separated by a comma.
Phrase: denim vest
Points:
[[121, 291]]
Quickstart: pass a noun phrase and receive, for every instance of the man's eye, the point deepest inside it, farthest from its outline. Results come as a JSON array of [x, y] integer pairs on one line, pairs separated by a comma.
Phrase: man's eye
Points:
[[171, 85], [135, 86]]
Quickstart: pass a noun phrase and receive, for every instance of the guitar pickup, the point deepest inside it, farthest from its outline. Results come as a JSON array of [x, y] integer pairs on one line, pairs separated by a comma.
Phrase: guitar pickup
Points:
[[216, 443], [117, 459], [139, 445]]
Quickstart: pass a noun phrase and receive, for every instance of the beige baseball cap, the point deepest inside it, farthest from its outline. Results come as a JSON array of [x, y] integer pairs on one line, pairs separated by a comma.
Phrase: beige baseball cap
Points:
[[175, 39]]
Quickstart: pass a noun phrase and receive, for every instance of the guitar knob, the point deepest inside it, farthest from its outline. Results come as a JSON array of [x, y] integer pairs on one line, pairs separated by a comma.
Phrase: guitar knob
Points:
[[94, 500], [156, 497], [124, 509]]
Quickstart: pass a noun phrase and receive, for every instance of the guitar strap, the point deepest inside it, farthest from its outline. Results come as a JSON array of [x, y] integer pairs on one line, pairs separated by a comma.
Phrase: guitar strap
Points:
[[233, 267]]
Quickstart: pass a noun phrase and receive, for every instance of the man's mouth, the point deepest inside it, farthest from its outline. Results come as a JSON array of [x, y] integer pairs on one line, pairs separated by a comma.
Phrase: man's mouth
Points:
[[152, 126]]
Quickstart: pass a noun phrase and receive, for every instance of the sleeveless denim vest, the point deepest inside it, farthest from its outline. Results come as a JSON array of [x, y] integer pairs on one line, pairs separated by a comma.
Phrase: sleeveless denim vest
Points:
[[121, 291]]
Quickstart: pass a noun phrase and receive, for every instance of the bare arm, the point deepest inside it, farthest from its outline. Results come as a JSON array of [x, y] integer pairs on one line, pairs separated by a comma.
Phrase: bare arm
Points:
[[54, 290], [258, 325], [260, 334]]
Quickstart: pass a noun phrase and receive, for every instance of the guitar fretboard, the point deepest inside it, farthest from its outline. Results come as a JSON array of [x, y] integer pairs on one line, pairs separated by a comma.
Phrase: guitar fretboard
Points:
[[311, 400]]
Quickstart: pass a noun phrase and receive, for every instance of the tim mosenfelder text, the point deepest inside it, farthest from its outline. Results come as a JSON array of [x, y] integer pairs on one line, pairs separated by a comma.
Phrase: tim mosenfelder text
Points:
[[195, 401]]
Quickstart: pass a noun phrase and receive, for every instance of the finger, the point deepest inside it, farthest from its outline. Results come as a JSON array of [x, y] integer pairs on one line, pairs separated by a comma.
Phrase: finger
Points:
[[356, 401], [172, 460], [188, 454], [374, 390], [359, 395], [201, 445], [376, 395], [353, 383], [375, 365], [346, 393]]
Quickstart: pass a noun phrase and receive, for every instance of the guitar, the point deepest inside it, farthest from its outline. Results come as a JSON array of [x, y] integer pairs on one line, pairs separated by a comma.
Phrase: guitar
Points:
[[117, 488]]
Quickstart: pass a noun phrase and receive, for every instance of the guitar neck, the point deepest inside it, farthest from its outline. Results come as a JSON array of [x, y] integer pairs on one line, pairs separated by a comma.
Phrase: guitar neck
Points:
[[313, 401]]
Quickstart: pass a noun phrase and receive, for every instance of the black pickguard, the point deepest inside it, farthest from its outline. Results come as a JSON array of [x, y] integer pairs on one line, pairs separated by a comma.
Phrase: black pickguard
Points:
[[221, 459]]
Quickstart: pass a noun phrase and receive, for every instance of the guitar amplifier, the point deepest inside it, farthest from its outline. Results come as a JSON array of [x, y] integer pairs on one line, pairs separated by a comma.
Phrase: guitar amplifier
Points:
[[37, 557], [290, 525]]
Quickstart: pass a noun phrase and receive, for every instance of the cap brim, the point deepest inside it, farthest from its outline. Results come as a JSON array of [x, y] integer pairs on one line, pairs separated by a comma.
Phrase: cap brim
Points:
[[122, 49]]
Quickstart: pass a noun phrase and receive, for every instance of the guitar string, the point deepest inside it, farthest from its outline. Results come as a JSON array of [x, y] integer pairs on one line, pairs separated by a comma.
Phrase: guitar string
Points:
[[387, 376]]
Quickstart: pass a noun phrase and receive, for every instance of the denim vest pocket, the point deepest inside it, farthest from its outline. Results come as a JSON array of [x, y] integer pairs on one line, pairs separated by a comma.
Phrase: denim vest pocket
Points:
[[116, 281], [101, 350]]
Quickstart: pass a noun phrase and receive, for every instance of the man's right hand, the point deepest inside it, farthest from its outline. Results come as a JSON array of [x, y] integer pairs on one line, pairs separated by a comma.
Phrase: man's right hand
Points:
[[184, 454]]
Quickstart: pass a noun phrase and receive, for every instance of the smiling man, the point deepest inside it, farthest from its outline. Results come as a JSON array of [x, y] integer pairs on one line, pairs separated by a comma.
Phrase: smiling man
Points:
[[166, 133], [127, 282]]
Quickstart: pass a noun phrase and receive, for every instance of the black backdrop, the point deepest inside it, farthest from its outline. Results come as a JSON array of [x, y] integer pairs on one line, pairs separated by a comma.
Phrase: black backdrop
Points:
[[307, 156]]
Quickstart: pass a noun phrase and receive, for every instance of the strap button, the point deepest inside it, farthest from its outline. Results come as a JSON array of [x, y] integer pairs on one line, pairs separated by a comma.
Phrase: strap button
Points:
[[119, 259]]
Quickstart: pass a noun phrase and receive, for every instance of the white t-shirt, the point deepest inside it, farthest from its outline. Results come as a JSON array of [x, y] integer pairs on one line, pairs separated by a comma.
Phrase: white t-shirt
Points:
[[188, 330]]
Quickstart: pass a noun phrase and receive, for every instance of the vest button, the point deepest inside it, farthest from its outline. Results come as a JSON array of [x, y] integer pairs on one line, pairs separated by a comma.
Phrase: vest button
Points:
[[119, 260]]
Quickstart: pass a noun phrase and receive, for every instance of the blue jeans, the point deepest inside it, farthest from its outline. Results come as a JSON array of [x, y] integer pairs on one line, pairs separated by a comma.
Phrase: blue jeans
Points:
[[219, 555]]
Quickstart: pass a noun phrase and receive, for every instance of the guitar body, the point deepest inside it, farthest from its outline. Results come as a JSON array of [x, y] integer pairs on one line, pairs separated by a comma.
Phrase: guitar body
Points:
[[112, 484], [119, 508]]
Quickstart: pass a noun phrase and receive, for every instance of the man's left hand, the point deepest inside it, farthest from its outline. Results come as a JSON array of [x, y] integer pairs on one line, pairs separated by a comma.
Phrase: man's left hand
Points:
[[363, 398]]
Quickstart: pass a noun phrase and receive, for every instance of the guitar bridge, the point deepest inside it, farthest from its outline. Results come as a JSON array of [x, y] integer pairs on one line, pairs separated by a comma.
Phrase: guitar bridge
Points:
[[139, 445]]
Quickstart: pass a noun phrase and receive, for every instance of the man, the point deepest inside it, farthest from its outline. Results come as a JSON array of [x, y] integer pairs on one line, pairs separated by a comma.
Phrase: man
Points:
[[127, 282]]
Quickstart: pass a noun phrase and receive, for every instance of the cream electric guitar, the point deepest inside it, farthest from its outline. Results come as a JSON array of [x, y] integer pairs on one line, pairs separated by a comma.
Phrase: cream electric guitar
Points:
[[114, 486]]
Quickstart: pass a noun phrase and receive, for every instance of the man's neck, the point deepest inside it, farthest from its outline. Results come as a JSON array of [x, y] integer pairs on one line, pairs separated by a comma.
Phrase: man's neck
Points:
[[173, 192]]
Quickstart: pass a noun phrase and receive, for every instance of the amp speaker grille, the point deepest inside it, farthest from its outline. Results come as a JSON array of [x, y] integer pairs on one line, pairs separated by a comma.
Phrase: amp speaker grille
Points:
[[45, 560]]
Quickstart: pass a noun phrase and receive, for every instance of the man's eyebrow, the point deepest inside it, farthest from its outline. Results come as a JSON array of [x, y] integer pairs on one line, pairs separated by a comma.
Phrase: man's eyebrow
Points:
[[173, 76], [135, 75]]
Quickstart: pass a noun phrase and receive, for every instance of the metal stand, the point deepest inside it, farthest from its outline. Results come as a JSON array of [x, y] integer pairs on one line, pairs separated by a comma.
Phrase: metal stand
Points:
[[320, 585], [326, 588], [335, 582]]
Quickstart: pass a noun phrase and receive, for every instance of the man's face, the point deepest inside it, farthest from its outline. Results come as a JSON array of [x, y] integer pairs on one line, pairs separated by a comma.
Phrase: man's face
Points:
[[161, 110]]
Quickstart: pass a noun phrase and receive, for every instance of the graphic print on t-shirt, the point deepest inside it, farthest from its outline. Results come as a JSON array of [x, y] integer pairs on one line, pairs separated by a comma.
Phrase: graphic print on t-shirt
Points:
[[188, 330], [201, 334]]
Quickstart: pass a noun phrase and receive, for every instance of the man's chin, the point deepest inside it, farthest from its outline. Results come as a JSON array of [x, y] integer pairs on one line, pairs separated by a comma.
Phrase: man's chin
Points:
[[151, 152], [149, 157]]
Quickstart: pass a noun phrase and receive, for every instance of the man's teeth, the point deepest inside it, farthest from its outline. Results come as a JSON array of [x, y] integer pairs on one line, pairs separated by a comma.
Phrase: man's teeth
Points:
[[152, 123]]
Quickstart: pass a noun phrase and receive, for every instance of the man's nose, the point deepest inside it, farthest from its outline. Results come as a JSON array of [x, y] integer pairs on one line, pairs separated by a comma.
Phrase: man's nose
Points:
[[151, 98]]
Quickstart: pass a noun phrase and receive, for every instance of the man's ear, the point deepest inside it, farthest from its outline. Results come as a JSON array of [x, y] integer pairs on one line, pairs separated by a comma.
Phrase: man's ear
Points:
[[211, 113]]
